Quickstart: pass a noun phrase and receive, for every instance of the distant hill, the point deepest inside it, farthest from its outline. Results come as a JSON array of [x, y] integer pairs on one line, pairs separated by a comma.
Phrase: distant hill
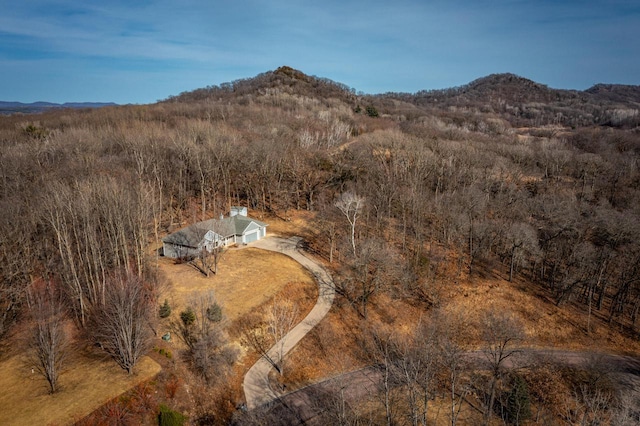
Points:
[[522, 102], [8, 108], [284, 79], [616, 92]]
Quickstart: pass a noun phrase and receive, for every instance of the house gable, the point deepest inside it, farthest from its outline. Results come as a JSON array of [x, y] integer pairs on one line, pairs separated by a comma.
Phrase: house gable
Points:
[[251, 227]]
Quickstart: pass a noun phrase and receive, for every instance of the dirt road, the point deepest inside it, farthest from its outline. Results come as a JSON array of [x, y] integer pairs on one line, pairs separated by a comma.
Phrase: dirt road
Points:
[[305, 405], [256, 382]]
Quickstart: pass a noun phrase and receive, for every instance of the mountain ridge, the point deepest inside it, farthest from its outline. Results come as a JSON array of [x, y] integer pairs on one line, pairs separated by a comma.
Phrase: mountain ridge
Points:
[[293, 76], [12, 107]]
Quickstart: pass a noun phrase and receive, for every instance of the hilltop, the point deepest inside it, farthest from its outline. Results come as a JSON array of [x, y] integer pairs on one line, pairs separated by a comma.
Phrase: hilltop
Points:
[[524, 102], [521, 101], [284, 79]]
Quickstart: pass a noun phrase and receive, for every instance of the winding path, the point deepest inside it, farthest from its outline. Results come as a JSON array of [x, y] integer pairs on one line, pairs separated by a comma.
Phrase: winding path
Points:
[[257, 391]]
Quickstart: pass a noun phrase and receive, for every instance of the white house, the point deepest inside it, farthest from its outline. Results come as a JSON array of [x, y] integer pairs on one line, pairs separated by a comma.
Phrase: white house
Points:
[[236, 228]]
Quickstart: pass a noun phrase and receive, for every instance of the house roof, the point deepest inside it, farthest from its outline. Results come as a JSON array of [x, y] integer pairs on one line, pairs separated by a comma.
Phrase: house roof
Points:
[[241, 223], [192, 235]]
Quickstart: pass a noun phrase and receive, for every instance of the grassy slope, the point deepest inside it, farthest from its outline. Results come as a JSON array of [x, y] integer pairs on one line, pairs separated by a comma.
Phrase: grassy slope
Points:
[[89, 381], [247, 280]]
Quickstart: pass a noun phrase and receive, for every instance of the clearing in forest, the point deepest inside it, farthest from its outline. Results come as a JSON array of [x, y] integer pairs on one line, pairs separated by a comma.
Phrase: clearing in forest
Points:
[[88, 382], [246, 278]]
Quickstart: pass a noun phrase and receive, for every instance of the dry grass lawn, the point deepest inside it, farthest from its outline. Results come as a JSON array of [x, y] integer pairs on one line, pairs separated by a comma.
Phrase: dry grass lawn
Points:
[[88, 382], [246, 278]]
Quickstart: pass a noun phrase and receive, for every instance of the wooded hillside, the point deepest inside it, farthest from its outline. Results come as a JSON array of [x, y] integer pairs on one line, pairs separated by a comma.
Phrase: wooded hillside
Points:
[[502, 174]]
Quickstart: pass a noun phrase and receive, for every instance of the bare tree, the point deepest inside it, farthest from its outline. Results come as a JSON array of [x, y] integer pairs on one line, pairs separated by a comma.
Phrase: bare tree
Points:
[[452, 362], [328, 235], [281, 318], [18, 251], [261, 335], [407, 367], [500, 331], [216, 254], [593, 405], [49, 342], [334, 408], [373, 269], [255, 335], [419, 370], [212, 357], [199, 328], [99, 225], [521, 240], [207, 261], [121, 324], [350, 204], [199, 318], [213, 248], [381, 348]]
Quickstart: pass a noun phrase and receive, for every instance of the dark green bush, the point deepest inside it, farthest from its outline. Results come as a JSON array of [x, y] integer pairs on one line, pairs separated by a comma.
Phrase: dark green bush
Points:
[[188, 317], [168, 417], [165, 309], [214, 313]]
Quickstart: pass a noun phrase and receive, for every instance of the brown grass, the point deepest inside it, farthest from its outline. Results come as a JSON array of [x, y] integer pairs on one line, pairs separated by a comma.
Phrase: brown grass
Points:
[[294, 222], [88, 382], [246, 278], [330, 349], [546, 325]]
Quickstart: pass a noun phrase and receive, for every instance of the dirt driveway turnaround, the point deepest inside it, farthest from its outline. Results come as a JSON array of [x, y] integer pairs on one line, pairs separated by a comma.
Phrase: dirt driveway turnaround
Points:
[[257, 391]]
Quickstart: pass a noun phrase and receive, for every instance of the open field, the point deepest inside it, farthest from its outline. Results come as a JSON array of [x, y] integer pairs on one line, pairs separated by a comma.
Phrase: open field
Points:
[[89, 381], [246, 278]]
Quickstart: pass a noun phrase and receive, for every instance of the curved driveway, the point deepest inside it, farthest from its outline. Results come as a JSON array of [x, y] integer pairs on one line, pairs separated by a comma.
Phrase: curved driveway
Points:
[[257, 391]]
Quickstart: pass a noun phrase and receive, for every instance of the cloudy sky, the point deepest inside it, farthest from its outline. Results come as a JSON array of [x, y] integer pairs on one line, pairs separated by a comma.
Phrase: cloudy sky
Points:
[[140, 51]]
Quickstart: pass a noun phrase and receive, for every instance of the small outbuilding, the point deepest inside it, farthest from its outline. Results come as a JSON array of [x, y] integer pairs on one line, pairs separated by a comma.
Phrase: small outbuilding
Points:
[[237, 228]]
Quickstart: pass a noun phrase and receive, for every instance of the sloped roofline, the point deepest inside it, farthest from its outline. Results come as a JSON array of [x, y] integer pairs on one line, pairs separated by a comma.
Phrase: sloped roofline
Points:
[[192, 235]]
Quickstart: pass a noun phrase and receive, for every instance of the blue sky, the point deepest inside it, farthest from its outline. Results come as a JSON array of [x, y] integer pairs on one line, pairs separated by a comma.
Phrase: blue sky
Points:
[[142, 51]]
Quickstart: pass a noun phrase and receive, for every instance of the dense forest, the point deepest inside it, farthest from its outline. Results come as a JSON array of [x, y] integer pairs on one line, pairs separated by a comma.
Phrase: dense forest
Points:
[[502, 174]]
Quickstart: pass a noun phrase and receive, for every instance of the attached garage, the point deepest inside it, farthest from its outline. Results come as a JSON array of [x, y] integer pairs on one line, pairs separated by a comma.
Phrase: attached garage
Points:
[[251, 230], [252, 236]]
